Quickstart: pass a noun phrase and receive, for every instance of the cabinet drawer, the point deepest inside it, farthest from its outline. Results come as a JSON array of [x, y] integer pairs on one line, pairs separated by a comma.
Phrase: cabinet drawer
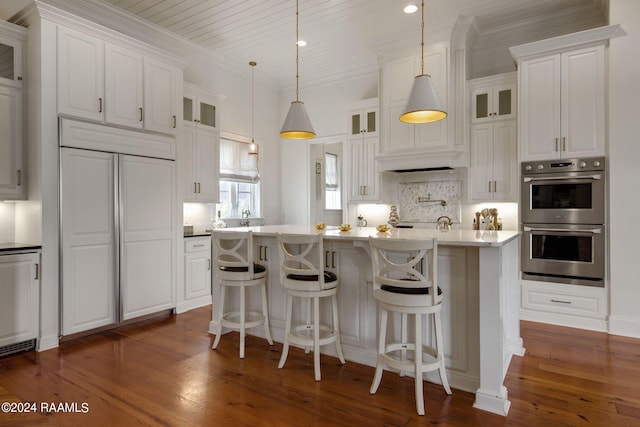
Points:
[[575, 300], [197, 244]]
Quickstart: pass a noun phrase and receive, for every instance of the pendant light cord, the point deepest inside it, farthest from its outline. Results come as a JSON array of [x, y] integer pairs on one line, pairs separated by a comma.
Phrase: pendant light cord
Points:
[[253, 64], [297, 45], [422, 44]]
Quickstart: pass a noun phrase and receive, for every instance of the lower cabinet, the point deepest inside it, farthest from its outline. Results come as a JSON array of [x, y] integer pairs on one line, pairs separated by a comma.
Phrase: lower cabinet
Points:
[[19, 298], [197, 274], [567, 305]]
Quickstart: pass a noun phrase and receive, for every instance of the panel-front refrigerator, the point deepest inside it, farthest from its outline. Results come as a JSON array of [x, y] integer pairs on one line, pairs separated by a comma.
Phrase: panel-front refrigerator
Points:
[[118, 243]]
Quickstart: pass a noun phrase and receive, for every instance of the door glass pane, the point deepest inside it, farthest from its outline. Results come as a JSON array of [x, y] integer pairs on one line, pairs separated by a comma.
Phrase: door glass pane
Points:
[[482, 105], [355, 124], [562, 248], [371, 121], [207, 114], [6, 61], [561, 196], [504, 102], [187, 109]]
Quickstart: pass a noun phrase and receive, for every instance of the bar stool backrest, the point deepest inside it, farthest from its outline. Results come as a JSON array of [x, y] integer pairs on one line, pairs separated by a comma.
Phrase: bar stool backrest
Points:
[[233, 255], [302, 263], [406, 267]]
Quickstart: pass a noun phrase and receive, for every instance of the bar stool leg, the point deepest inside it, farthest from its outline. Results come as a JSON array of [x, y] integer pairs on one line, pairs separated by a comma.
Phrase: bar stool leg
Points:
[[336, 326], [440, 350], [265, 313], [382, 340], [307, 349], [287, 331], [403, 337], [243, 314], [316, 337], [418, 361], [220, 313]]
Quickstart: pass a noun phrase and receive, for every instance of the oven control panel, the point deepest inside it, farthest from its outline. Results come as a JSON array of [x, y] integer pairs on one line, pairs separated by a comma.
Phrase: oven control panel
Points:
[[565, 165]]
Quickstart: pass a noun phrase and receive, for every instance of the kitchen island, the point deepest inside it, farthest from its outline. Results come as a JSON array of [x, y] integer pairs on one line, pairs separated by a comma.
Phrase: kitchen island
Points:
[[477, 270]]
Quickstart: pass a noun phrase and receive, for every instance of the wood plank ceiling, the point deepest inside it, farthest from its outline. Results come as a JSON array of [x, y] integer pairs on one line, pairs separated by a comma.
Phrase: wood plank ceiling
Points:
[[348, 37]]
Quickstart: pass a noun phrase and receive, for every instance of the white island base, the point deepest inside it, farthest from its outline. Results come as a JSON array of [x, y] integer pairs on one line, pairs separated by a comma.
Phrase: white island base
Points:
[[477, 271]]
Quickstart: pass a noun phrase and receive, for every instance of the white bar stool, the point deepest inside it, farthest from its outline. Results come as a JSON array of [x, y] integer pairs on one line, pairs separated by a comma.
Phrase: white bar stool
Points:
[[234, 267], [399, 285], [302, 274]]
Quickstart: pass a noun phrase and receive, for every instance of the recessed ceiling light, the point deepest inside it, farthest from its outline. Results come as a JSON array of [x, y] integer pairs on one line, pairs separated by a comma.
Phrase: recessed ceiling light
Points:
[[301, 43], [410, 8]]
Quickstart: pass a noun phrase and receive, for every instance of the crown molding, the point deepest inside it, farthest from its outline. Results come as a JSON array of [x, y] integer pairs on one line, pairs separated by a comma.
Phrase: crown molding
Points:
[[569, 41], [13, 31]]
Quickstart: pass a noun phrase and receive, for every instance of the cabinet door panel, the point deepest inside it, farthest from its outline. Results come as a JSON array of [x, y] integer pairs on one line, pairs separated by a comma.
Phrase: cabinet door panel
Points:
[[159, 96], [80, 75], [11, 168], [189, 161], [540, 108], [123, 87], [197, 275], [147, 188], [481, 168], [207, 149], [504, 161], [88, 240], [582, 102], [20, 298]]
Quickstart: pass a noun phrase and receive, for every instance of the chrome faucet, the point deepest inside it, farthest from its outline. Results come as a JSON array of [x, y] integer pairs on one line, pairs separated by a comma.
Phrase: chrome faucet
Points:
[[244, 222]]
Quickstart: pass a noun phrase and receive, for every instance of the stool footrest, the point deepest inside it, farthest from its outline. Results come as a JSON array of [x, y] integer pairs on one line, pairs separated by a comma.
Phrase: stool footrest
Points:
[[303, 335], [408, 365], [252, 319]]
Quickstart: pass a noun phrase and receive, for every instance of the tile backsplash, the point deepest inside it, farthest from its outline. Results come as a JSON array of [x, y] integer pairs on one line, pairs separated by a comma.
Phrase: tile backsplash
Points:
[[421, 201]]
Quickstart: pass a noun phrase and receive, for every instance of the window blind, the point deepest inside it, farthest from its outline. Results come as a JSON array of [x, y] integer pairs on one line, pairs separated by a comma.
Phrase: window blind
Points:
[[236, 164]]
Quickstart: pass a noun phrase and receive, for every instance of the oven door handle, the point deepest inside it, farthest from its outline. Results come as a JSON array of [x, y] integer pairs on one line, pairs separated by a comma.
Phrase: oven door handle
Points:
[[564, 230], [593, 177]]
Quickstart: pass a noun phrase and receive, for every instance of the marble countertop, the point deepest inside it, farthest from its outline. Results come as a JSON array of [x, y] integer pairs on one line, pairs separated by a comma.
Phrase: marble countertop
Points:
[[15, 246], [446, 238]]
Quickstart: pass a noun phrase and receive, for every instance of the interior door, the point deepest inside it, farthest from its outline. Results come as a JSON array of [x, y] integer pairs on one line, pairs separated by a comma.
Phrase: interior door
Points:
[[89, 282], [147, 229]]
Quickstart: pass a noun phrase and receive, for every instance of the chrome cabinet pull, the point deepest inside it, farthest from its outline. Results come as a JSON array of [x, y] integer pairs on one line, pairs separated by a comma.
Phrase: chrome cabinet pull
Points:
[[266, 258], [37, 271], [99, 105], [195, 187], [19, 177], [174, 122], [560, 301], [564, 143], [489, 186], [556, 144], [326, 259], [333, 259], [140, 110]]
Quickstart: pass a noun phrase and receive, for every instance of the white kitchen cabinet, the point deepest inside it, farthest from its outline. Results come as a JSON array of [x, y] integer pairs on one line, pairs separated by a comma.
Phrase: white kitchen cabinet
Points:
[[364, 182], [20, 297], [398, 77], [562, 104], [12, 52], [80, 75], [493, 98], [108, 83], [197, 273], [199, 107], [117, 238], [567, 305], [363, 147], [493, 171], [11, 144], [201, 149]]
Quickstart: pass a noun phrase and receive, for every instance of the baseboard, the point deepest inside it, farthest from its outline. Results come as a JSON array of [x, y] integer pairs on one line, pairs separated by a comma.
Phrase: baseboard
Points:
[[564, 320], [625, 326], [193, 303], [47, 343]]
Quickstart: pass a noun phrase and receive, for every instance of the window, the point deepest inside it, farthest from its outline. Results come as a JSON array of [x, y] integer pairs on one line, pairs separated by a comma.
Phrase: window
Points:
[[239, 178], [332, 199]]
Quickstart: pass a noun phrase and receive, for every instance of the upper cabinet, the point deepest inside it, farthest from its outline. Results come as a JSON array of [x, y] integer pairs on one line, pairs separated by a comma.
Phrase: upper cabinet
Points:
[[562, 84], [398, 78], [12, 175], [364, 179], [493, 102], [364, 121], [198, 108], [108, 83]]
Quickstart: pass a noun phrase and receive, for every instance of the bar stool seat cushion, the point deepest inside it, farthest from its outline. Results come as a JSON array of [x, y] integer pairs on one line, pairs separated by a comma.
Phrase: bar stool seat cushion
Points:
[[408, 291], [329, 276], [257, 268]]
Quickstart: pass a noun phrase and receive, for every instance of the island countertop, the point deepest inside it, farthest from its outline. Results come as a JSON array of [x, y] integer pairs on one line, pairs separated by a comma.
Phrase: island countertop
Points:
[[445, 237]]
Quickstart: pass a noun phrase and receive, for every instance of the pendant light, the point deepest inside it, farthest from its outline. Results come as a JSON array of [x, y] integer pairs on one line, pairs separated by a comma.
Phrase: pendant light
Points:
[[297, 124], [253, 148], [423, 105]]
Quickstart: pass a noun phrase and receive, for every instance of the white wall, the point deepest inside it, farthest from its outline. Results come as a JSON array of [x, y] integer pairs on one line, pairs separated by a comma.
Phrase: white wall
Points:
[[624, 152], [7, 220]]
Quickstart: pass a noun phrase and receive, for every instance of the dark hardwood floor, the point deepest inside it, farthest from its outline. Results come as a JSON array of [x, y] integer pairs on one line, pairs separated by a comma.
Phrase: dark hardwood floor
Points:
[[163, 373]]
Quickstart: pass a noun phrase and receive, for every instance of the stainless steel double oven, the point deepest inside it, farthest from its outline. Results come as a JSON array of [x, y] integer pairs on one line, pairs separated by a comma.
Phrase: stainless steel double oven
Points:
[[563, 217]]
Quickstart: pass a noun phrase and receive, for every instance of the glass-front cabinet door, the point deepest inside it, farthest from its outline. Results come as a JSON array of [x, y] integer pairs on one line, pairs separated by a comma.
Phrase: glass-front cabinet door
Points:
[[10, 62], [199, 111], [493, 103], [364, 121]]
